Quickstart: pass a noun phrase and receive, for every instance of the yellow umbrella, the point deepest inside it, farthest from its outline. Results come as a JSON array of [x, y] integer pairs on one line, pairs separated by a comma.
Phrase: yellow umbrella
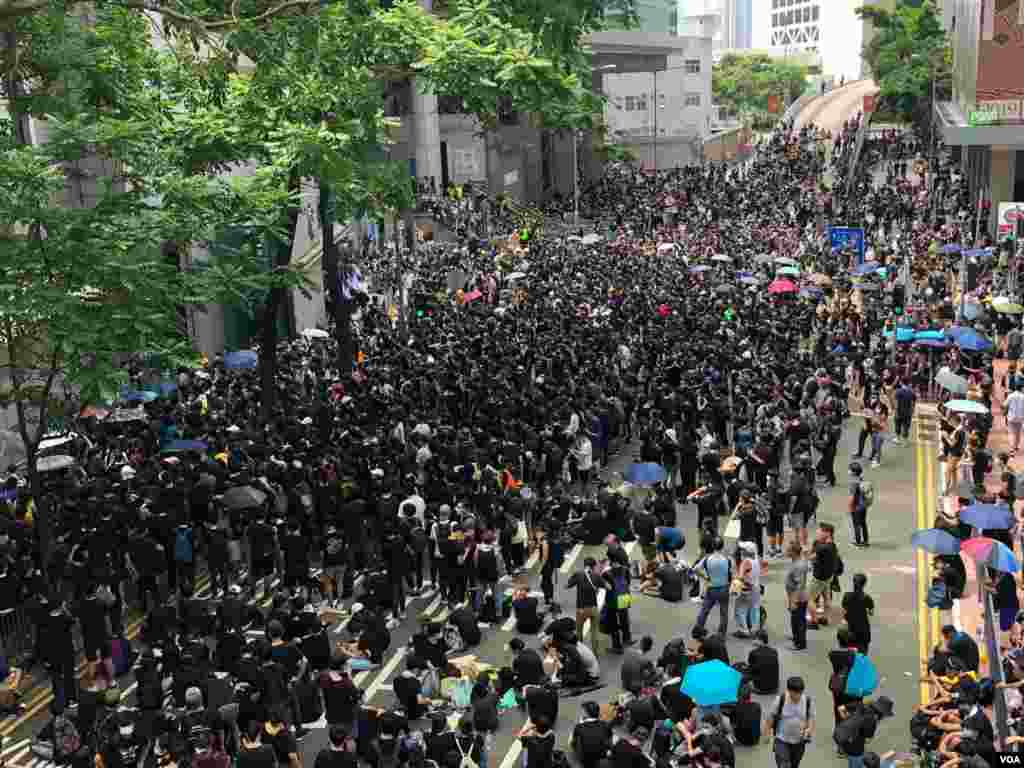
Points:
[[821, 279], [1009, 309]]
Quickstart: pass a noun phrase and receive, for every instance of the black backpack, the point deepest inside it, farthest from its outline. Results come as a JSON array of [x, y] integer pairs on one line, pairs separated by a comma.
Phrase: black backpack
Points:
[[556, 552], [444, 539], [418, 539], [487, 564]]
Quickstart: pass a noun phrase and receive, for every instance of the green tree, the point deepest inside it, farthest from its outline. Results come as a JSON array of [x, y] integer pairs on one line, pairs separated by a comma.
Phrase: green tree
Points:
[[743, 82], [908, 56], [86, 211]]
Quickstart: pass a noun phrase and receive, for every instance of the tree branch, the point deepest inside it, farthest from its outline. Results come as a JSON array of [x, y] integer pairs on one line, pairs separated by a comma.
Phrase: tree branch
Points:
[[44, 402]]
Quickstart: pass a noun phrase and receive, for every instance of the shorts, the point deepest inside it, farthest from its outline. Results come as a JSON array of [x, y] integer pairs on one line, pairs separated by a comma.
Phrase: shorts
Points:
[[776, 525], [819, 589], [650, 551]]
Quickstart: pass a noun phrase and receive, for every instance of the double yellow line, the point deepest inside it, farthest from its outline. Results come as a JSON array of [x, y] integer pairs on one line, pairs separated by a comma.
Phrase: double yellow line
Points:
[[928, 620]]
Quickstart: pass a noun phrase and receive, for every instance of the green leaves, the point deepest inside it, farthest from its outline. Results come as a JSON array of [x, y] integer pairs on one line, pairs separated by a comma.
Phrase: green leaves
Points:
[[909, 52], [744, 82]]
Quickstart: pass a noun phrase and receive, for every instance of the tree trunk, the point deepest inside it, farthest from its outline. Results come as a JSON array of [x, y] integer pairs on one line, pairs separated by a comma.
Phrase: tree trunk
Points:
[[277, 299], [336, 271]]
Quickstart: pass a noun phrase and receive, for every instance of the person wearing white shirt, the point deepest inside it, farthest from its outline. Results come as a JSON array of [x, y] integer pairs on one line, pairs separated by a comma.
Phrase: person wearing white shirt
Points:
[[583, 451], [418, 504], [1015, 417]]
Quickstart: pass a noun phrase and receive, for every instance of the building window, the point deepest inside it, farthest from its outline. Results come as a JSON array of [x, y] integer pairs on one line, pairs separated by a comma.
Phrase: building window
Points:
[[691, 100], [692, 66], [641, 103], [814, 13], [807, 14], [775, 19], [630, 104]]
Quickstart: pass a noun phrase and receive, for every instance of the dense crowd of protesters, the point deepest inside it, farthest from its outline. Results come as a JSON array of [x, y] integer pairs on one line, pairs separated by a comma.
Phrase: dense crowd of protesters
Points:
[[449, 456]]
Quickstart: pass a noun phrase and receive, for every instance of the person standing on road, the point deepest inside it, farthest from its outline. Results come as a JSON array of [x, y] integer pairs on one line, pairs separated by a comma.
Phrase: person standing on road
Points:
[[796, 595], [717, 570], [792, 724], [826, 565], [905, 401], [862, 495], [1015, 417], [587, 586], [858, 608]]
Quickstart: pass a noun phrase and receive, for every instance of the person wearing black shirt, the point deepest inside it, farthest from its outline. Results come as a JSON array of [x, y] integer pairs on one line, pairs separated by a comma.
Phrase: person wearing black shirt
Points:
[[392, 727], [961, 645], [409, 689], [746, 722], [541, 701], [464, 620], [368, 728], [253, 753], [526, 610], [825, 564], [763, 663], [591, 737], [859, 723], [842, 662], [538, 743], [670, 582], [637, 668], [340, 693], [277, 734], [440, 741], [337, 755], [587, 586], [526, 663]]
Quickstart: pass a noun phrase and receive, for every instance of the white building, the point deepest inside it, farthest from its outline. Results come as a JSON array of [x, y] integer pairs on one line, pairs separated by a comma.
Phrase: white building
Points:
[[726, 22], [828, 27], [663, 114]]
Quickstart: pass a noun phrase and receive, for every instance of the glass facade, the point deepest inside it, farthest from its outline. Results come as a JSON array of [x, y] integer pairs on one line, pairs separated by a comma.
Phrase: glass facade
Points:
[[657, 17], [744, 24]]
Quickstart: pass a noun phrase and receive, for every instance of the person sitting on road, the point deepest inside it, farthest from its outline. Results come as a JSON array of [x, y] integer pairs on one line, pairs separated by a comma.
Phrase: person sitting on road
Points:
[[526, 609]]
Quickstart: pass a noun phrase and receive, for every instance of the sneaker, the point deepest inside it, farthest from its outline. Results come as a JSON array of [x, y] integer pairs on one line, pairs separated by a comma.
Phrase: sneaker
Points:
[[897, 441], [876, 464], [796, 648]]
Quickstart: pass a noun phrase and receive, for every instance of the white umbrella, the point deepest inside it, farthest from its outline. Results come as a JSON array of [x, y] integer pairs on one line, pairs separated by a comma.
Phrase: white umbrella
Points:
[[966, 406], [787, 261], [316, 333], [1001, 300], [516, 276], [53, 463], [574, 239], [721, 257], [665, 247], [592, 239]]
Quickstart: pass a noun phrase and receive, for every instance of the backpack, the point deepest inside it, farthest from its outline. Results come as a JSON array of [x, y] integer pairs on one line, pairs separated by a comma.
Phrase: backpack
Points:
[[487, 565], [777, 715], [846, 733], [467, 760], [66, 740], [661, 742], [183, 545], [867, 494], [334, 545], [445, 543], [418, 539], [556, 553]]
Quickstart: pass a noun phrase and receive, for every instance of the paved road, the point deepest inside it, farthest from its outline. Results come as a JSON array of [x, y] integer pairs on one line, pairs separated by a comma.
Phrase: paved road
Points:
[[902, 505], [835, 107]]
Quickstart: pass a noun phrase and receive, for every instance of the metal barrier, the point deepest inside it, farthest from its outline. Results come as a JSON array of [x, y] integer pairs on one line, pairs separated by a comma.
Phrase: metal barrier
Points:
[[17, 633]]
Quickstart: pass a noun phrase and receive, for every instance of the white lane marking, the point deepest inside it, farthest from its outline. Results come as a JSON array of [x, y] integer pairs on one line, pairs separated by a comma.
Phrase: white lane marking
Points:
[[512, 756], [386, 672], [434, 605], [129, 691], [534, 558], [570, 559], [16, 746]]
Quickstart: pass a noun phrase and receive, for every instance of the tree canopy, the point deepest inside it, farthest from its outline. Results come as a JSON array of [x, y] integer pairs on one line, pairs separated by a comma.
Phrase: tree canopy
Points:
[[743, 82], [908, 52]]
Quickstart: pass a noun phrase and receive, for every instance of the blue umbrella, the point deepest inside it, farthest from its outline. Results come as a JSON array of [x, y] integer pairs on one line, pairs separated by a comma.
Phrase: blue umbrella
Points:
[[244, 359], [986, 517], [862, 679], [138, 396], [930, 336], [711, 683], [930, 343], [699, 268], [867, 268], [178, 446], [645, 474], [904, 335], [810, 293], [749, 280], [936, 541], [951, 248], [972, 341]]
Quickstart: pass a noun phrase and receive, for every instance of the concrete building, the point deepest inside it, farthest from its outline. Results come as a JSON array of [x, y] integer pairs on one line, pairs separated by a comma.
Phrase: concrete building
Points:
[[728, 23], [830, 28], [984, 122], [662, 115]]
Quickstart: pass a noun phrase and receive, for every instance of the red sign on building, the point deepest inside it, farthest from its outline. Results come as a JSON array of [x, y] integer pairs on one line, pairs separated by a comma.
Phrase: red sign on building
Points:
[[869, 103], [774, 105]]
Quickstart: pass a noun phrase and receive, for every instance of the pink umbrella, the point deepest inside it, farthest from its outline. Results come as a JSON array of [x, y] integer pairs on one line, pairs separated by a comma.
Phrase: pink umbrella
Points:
[[472, 296], [782, 286], [664, 310]]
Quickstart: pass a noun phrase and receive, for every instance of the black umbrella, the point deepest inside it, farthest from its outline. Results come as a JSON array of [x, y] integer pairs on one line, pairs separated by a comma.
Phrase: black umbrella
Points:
[[243, 497]]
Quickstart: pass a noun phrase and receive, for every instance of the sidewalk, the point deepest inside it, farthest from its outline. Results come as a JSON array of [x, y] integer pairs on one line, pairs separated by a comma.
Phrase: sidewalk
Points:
[[968, 612]]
